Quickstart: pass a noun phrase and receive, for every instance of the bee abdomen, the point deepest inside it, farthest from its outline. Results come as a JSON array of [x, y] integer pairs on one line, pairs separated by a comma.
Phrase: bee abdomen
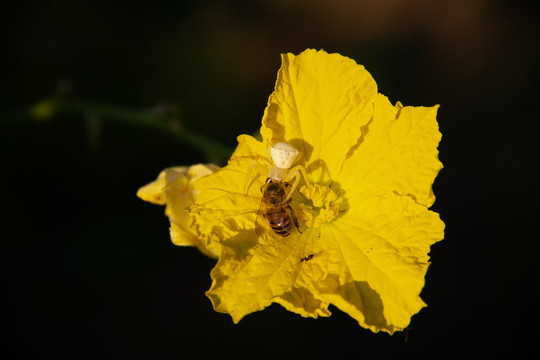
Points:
[[280, 222]]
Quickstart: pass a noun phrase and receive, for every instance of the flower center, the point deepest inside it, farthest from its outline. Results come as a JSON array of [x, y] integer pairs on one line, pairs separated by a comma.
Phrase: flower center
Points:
[[324, 209]]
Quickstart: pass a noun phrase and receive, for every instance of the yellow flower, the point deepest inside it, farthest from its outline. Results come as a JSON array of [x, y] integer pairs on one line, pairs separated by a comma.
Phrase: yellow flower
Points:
[[364, 225], [174, 188]]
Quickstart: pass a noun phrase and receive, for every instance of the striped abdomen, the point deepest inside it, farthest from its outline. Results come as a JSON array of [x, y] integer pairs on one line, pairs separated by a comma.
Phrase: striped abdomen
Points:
[[279, 220]]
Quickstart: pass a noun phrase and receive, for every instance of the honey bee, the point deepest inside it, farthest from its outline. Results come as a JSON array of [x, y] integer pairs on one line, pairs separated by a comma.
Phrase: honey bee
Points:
[[275, 209]]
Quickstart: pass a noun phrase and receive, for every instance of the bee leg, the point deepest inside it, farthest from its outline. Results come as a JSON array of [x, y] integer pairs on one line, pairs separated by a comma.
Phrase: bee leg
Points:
[[291, 212]]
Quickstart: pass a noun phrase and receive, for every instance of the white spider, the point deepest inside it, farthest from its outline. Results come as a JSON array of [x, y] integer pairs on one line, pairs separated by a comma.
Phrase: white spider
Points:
[[282, 157]]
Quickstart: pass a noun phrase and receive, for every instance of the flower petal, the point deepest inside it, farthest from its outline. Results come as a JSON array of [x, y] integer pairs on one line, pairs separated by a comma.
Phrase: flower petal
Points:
[[253, 271], [319, 105], [223, 208], [397, 153], [371, 165], [271, 270], [154, 192], [377, 259], [173, 188]]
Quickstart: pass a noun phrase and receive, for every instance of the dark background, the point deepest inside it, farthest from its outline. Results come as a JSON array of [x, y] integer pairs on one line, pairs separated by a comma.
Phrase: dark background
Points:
[[88, 269]]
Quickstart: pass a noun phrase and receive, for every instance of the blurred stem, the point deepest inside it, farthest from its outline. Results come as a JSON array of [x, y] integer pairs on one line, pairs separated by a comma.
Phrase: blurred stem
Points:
[[46, 109], [210, 147]]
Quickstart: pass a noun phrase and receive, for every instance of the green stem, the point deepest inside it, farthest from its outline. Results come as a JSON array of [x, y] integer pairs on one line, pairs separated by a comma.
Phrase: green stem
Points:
[[43, 110]]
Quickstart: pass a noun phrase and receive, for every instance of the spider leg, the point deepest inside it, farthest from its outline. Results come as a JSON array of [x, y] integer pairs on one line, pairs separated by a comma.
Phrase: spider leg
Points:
[[296, 173], [249, 180], [247, 183], [296, 176]]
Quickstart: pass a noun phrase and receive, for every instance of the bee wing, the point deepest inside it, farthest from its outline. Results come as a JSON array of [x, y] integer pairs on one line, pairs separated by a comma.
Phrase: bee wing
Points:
[[261, 225]]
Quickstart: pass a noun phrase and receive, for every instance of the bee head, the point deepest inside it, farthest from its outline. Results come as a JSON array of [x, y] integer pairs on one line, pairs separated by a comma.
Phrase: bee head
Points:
[[275, 190]]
